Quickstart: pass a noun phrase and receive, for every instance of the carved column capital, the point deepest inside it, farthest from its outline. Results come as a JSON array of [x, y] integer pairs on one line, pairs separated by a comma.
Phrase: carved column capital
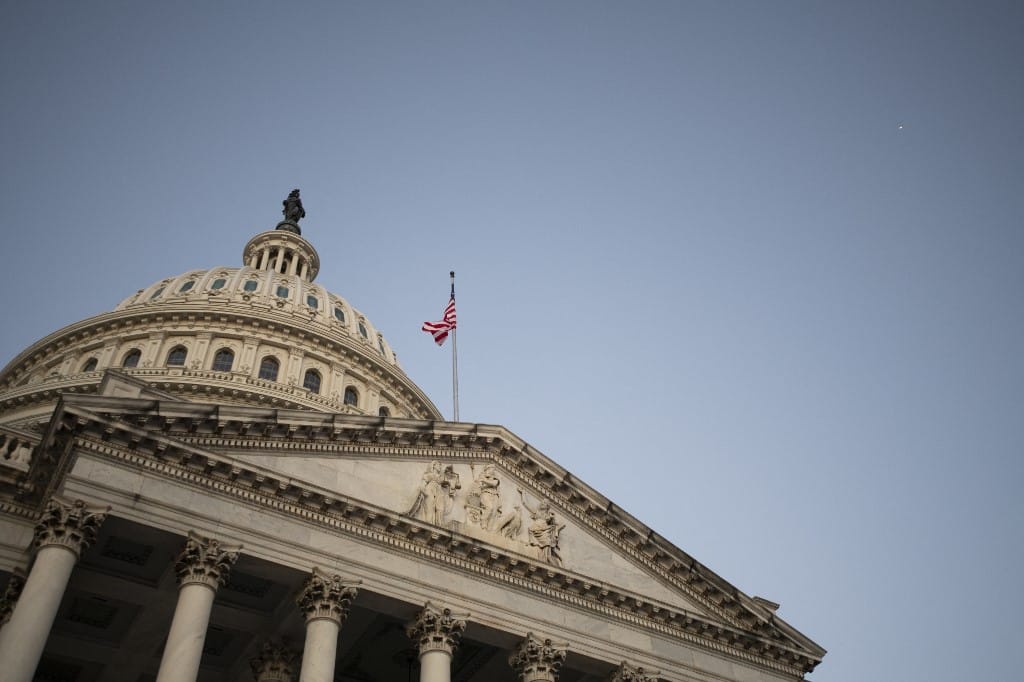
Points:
[[275, 663], [437, 629], [72, 525], [205, 561], [628, 673], [13, 590], [325, 596], [537, 660]]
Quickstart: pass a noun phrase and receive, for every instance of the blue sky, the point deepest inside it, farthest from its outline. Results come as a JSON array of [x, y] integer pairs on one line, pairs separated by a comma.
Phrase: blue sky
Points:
[[752, 270]]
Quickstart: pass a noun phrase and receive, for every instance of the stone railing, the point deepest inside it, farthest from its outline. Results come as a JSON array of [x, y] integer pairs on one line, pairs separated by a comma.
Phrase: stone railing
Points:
[[16, 448]]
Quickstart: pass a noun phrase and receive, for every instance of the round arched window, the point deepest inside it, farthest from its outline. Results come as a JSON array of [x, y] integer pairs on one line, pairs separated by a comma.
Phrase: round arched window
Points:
[[90, 365], [176, 358], [351, 397], [383, 411], [269, 367], [131, 358], [223, 360], [311, 381]]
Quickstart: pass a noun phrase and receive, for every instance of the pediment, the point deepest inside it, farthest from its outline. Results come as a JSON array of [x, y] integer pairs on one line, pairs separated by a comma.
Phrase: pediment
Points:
[[479, 498], [442, 487]]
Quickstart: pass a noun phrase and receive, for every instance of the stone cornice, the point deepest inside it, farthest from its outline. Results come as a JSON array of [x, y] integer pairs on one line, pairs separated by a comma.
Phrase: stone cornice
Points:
[[229, 317], [149, 436]]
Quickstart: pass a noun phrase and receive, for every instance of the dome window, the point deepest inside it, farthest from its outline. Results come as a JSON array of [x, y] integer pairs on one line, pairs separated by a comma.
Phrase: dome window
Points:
[[362, 330], [156, 293], [312, 302], [223, 360], [250, 285], [282, 292], [311, 381], [187, 286], [90, 365], [380, 344], [176, 358], [351, 397], [339, 314], [131, 358], [269, 367], [383, 411], [218, 283]]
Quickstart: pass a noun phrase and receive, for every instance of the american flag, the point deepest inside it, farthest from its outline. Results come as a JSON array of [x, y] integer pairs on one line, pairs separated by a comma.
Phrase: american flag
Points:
[[439, 330]]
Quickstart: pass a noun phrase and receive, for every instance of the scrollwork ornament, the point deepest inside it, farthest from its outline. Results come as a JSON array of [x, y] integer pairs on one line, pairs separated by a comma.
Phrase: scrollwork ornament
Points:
[[72, 525], [205, 561], [628, 673], [275, 663], [538, 660], [324, 596], [437, 629]]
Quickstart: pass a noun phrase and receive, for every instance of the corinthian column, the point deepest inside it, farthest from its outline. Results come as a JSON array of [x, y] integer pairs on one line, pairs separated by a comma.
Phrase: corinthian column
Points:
[[538, 660], [276, 663], [628, 673], [437, 632], [65, 529], [324, 600], [202, 567]]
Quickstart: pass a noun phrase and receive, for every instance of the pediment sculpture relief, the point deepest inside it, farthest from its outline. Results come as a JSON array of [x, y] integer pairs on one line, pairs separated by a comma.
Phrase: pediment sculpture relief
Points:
[[435, 495], [490, 513]]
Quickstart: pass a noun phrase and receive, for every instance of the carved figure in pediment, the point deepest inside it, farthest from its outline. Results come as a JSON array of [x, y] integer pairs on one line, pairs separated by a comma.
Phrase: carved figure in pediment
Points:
[[435, 494], [483, 502], [544, 530], [511, 524]]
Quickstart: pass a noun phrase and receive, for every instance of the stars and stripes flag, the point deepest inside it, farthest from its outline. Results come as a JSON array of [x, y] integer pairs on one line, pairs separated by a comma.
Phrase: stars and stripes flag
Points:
[[439, 330]]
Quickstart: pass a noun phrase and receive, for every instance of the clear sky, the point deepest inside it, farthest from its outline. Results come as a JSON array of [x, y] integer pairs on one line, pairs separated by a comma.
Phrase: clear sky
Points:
[[753, 270]]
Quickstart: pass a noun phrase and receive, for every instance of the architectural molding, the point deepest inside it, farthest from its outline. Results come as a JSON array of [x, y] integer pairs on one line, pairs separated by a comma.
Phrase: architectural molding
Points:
[[114, 436]]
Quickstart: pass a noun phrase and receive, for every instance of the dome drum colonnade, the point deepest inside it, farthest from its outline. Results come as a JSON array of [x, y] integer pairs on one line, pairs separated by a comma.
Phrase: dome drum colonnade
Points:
[[69, 527]]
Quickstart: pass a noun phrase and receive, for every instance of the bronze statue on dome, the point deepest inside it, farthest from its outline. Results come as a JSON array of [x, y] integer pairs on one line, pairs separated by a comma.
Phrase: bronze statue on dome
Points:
[[293, 210]]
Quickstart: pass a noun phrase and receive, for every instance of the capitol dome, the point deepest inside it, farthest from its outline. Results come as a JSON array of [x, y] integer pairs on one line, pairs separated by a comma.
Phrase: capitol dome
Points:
[[263, 334]]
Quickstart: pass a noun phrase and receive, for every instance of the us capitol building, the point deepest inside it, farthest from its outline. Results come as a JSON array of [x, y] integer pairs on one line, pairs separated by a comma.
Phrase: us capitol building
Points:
[[229, 477]]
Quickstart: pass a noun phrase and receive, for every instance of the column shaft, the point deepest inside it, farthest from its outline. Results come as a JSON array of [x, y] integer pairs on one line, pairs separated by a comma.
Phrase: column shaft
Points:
[[320, 650], [184, 648], [24, 636], [435, 666]]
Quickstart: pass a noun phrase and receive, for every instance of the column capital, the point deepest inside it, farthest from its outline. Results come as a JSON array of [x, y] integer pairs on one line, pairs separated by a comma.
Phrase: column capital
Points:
[[11, 593], [72, 525], [538, 659], [437, 629], [205, 561], [275, 663], [325, 596], [628, 673]]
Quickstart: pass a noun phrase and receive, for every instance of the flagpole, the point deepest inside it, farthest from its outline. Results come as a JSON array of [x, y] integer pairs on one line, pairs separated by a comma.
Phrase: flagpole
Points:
[[455, 361]]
